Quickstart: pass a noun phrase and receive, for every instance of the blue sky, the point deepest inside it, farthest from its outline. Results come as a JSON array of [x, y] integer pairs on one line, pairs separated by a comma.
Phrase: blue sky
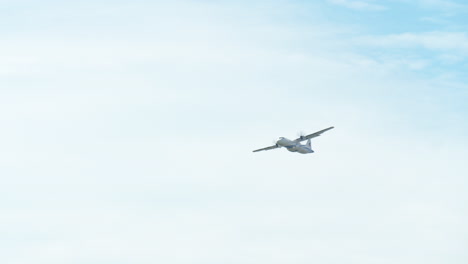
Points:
[[128, 129]]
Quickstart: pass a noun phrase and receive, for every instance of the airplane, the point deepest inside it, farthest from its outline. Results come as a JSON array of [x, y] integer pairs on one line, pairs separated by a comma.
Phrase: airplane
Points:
[[295, 145]]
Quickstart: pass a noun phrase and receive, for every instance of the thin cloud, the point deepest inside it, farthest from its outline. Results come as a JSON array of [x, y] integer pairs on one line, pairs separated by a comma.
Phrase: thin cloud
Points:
[[358, 5], [456, 42], [443, 4]]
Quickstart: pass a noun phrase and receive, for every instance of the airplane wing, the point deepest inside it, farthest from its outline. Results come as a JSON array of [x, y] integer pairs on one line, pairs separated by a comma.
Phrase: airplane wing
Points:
[[316, 134], [267, 148]]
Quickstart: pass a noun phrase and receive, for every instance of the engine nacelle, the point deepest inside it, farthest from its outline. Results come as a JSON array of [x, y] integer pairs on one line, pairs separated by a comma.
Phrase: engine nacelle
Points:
[[284, 142], [292, 149]]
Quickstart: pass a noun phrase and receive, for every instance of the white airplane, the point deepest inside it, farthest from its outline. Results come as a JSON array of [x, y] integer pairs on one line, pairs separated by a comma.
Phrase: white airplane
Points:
[[295, 145]]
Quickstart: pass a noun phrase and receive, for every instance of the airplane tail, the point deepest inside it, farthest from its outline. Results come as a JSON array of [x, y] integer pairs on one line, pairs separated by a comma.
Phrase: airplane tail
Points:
[[309, 145]]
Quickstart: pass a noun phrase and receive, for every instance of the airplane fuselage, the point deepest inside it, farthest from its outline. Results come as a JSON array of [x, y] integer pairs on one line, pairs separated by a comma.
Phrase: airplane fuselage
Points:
[[294, 146]]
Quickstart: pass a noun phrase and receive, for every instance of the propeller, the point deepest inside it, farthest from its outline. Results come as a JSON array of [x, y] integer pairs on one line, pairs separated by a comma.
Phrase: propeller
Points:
[[274, 142], [301, 134]]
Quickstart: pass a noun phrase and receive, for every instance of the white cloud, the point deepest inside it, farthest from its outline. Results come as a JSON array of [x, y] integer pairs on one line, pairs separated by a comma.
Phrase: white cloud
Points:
[[359, 5], [442, 4], [456, 42]]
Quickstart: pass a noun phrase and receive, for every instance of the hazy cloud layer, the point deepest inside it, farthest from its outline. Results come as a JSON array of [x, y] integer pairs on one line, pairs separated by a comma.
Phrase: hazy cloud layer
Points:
[[128, 130]]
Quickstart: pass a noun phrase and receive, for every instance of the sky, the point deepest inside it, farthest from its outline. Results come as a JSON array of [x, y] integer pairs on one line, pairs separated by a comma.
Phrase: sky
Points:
[[127, 130]]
